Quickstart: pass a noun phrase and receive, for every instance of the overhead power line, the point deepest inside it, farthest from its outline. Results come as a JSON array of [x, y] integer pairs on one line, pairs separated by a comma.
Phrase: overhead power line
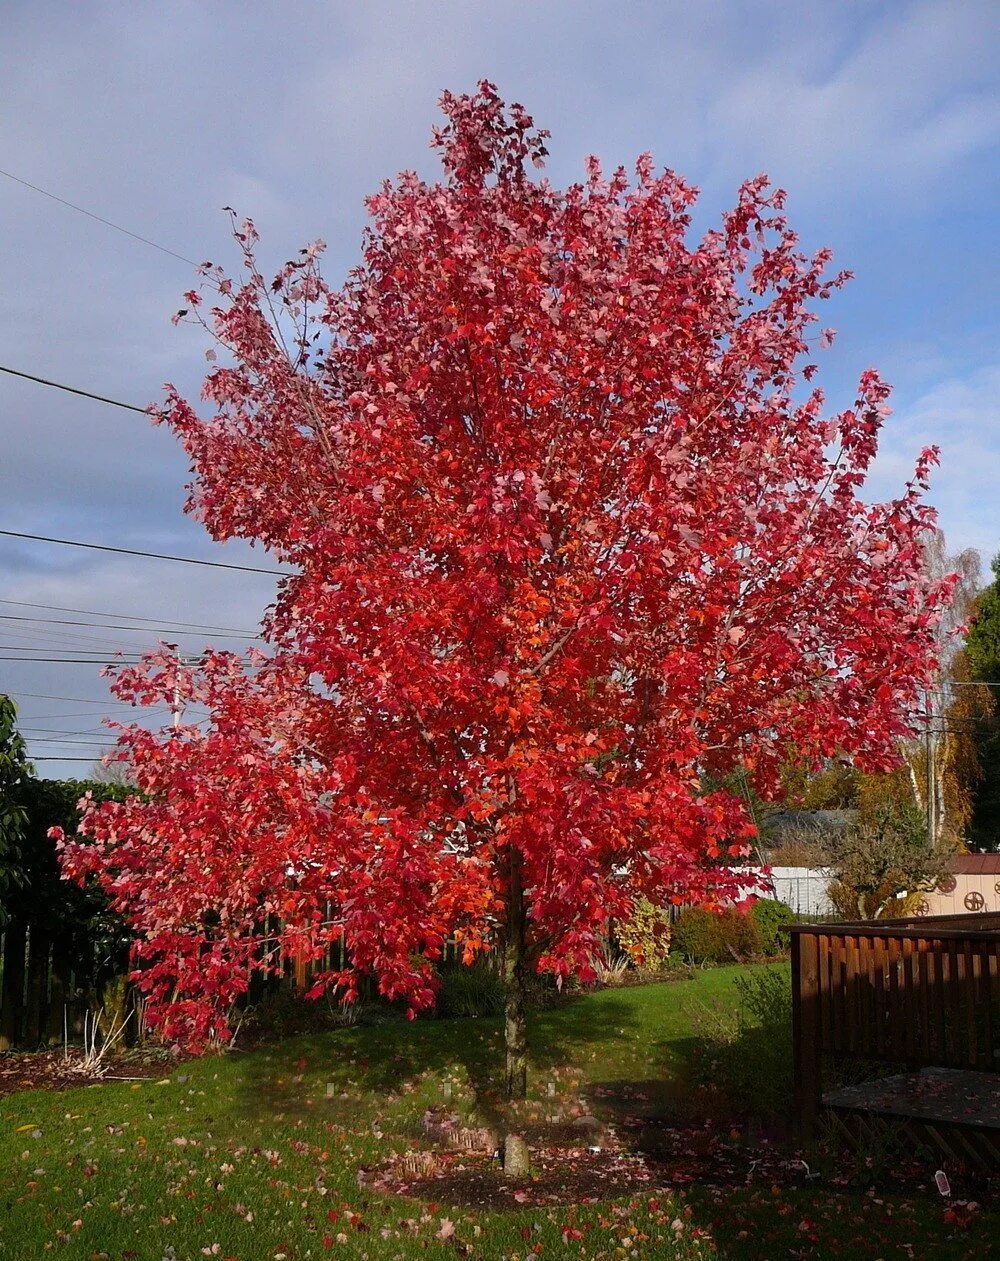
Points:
[[73, 661], [99, 218], [54, 758], [131, 652], [132, 617], [72, 700], [76, 716], [72, 389], [87, 744], [143, 630], [129, 551]]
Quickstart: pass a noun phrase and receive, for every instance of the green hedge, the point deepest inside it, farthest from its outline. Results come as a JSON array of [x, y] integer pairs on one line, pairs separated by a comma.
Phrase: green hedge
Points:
[[773, 919], [704, 936]]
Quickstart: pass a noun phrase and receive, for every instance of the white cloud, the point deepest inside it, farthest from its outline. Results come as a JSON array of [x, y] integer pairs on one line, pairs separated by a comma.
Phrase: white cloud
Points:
[[961, 415], [896, 111]]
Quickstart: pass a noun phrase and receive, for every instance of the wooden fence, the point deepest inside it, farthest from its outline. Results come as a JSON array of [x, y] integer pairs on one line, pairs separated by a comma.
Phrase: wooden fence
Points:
[[915, 994], [45, 987], [42, 995]]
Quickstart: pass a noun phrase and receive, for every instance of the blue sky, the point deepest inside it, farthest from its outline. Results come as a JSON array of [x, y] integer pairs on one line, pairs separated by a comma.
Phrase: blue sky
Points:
[[881, 121]]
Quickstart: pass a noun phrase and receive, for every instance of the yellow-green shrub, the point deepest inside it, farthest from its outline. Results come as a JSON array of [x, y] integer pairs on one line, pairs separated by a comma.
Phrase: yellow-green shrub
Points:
[[645, 935]]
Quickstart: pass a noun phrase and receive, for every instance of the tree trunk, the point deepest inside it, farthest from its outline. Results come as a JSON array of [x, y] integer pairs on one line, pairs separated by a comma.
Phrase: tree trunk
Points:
[[515, 1016], [942, 753]]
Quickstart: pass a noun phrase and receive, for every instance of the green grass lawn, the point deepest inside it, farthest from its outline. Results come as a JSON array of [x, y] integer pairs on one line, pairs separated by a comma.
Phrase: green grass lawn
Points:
[[255, 1155]]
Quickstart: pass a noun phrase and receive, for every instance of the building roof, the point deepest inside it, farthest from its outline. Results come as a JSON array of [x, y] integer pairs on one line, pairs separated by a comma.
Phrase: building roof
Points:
[[782, 821], [976, 864]]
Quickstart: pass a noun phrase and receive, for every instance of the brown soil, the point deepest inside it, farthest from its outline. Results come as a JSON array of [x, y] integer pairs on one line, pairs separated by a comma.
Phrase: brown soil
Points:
[[51, 1070], [560, 1175]]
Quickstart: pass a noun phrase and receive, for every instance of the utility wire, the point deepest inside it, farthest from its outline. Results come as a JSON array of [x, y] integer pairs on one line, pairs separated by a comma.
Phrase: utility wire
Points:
[[73, 661], [143, 630], [38, 638], [128, 551], [56, 758], [47, 636], [100, 219], [132, 652], [73, 700], [87, 744], [113, 654], [76, 716], [132, 617], [71, 389]]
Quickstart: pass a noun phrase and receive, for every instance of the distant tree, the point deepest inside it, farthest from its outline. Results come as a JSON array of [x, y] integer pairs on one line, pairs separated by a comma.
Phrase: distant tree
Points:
[[113, 772], [569, 536], [881, 866], [15, 770], [886, 793], [983, 655], [834, 786], [983, 638], [939, 762]]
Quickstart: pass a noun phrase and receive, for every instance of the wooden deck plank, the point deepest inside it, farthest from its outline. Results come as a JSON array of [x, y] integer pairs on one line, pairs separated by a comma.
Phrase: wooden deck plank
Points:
[[945, 1096]]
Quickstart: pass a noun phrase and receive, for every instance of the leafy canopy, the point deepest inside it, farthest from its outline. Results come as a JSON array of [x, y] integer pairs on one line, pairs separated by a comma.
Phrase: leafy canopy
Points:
[[569, 542]]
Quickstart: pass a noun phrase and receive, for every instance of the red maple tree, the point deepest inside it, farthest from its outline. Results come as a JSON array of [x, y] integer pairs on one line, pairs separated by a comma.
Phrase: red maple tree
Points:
[[572, 542]]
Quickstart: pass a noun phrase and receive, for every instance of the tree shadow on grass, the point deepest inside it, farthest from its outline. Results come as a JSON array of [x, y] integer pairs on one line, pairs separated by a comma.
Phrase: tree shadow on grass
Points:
[[354, 1069]]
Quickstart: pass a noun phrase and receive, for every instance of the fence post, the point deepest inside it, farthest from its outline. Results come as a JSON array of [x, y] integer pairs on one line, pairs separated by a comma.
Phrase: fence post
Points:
[[60, 985], [12, 998], [806, 1048], [36, 1017]]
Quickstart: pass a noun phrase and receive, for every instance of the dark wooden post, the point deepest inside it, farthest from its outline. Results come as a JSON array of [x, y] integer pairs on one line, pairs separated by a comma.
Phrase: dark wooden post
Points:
[[36, 1022], [12, 998], [806, 1034], [60, 987]]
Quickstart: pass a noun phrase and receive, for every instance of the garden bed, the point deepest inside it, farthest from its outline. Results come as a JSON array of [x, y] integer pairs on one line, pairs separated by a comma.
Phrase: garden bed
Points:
[[65, 1070]]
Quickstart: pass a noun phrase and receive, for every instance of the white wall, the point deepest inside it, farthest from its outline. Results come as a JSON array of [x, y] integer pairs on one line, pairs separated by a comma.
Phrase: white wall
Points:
[[803, 888]]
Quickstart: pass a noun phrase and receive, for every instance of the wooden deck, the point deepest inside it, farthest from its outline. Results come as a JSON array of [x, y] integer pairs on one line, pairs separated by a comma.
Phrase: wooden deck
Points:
[[920, 996], [947, 1096]]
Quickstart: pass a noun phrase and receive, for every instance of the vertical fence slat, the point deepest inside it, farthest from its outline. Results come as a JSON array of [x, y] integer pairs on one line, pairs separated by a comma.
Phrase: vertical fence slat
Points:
[[12, 998], [935, 1005], [969, 961], [993, 1005], [926, 1006], [36, 1015], [883, 994], [955, 1022], [806, 1028], [825, 972], [910, 1006]]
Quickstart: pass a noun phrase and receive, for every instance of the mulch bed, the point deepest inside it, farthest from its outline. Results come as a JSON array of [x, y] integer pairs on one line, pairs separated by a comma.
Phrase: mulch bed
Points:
[[52, 1070], [560, 1175]]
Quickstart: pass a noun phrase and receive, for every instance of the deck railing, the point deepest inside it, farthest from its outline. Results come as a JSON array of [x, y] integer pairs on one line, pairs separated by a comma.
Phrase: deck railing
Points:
[[915, 993]]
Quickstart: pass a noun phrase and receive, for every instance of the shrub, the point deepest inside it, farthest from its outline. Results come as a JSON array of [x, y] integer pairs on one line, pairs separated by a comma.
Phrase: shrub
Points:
[[772, 919], [645, 935], [747, 1051], [284, 1012], [705, 936], [884, 864], [476, 990]]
